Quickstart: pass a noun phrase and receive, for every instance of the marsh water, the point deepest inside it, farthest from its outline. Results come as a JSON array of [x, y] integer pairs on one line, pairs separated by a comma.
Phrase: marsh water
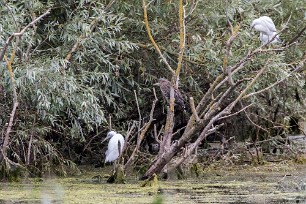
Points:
[[283, 182]]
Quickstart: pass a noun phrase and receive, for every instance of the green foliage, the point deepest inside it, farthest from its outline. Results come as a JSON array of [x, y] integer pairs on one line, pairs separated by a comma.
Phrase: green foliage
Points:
[[59, 98], [67, 102]]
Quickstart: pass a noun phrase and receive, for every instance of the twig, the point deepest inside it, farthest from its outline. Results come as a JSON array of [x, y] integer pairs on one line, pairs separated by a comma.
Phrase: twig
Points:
[[179, 130], [127, 137], [193, 109], [130, 130], [138, 109], [236, 113], [258, 126], [239, 65], [243, 92], [274, 84], [156, 136], [91, 139]]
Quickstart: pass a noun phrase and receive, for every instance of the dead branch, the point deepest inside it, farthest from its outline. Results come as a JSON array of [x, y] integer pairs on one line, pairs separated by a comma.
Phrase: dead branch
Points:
[[191, 148], [127, 138], [215, 107], [249, 56], [141, 136], [210, 110], [204, 126], [167, 136], [179, 130], [211, 120]]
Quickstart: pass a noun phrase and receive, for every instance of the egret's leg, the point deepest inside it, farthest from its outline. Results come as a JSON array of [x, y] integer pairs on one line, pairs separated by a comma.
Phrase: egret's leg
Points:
[[115, 166]]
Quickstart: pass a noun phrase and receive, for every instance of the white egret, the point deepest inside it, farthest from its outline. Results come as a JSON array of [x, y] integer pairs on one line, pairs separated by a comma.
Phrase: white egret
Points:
[[115, 146], [266, 28]]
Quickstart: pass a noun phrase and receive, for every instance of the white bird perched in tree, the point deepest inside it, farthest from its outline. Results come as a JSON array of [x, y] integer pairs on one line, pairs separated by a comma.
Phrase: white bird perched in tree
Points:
[[266, 28], [115, 146]]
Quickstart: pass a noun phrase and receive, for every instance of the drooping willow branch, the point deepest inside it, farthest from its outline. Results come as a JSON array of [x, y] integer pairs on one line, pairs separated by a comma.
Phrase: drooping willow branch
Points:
[[82, 37]]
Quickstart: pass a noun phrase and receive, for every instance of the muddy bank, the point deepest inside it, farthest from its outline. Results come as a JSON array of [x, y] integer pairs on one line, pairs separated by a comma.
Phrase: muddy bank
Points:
[[283, 182]]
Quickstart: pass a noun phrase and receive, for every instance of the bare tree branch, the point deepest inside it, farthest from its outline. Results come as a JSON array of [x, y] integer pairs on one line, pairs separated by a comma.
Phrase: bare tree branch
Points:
[[297, 36], [32, 23], [274, 84], [236, 113], [141, 136]]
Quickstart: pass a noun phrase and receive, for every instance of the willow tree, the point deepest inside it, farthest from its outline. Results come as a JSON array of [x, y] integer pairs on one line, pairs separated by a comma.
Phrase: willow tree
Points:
[[65, 72]]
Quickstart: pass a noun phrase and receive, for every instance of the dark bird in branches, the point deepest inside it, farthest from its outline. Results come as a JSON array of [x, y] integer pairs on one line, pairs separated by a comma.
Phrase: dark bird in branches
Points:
[[164, 86]]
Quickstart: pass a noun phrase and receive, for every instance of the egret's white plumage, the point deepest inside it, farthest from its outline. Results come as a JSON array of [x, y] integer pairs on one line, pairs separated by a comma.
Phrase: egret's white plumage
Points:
[[266, 28], [115, 146]]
